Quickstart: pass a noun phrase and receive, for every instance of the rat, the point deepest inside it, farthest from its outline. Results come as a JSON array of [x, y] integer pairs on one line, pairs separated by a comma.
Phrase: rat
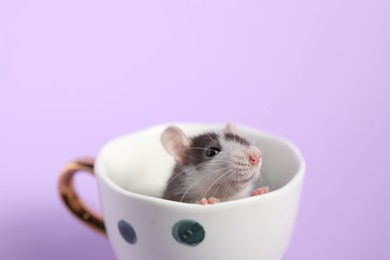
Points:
[[212, 167]]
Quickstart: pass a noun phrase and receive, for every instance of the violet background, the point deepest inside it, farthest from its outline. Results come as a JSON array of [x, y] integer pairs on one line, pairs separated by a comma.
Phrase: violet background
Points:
[[75, 74]]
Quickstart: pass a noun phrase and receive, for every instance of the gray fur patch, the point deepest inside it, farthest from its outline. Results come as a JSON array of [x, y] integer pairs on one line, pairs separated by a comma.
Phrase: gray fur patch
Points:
[[236, 138]]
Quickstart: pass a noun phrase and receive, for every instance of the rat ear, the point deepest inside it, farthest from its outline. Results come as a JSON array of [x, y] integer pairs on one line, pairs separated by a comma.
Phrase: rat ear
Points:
[[230, 128], [175, 142]]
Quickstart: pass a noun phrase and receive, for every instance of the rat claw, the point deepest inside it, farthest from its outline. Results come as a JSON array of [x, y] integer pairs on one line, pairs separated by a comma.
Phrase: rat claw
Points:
[[212, 200], [260, 191], [209, 201], [202, 201]]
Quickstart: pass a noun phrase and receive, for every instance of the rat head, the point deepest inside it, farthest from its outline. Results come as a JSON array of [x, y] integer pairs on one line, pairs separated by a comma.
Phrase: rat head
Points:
[[220, 158]]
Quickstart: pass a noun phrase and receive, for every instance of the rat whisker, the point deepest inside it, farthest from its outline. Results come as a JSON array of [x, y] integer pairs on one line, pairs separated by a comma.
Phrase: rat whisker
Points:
[[215, 182], [222, 183], [227, 187], [262, 178], [197, 181], [188, 189], [186, 168], [208, 163], [264, 148]]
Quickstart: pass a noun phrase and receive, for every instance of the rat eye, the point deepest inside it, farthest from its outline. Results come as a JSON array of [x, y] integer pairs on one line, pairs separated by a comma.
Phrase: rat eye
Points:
[[212, 151]]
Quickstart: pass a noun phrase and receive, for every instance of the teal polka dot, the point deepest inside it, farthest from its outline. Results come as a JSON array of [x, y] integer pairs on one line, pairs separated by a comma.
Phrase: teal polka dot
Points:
[[188, 232]]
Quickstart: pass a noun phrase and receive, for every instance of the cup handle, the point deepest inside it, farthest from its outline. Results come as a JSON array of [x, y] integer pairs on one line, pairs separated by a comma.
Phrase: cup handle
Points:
[[71, 199]]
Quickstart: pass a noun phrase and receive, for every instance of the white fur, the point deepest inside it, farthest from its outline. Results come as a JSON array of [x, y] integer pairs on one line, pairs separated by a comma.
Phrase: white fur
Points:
[[220, 178]]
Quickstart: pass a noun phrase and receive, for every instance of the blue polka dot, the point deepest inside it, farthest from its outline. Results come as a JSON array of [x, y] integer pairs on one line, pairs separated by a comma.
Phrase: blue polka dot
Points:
[[127, 232], [188, 232]]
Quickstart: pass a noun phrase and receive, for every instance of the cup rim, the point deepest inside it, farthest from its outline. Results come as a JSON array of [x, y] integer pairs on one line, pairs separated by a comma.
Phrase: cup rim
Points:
[[294, 181]]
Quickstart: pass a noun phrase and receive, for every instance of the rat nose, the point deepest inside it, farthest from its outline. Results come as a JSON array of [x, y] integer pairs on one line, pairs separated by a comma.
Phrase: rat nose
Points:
[[254, 156], [253, 159]]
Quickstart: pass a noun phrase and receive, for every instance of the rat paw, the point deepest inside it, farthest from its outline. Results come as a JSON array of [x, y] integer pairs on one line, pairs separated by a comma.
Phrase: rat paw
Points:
[[260, 191], [211, 200]]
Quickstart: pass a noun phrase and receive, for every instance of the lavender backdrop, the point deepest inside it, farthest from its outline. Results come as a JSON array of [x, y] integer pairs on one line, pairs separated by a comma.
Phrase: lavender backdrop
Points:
[[74, 74]]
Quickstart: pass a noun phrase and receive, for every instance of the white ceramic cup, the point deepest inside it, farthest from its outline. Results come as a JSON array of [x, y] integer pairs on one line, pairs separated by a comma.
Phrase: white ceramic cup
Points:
[[132, 172]]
